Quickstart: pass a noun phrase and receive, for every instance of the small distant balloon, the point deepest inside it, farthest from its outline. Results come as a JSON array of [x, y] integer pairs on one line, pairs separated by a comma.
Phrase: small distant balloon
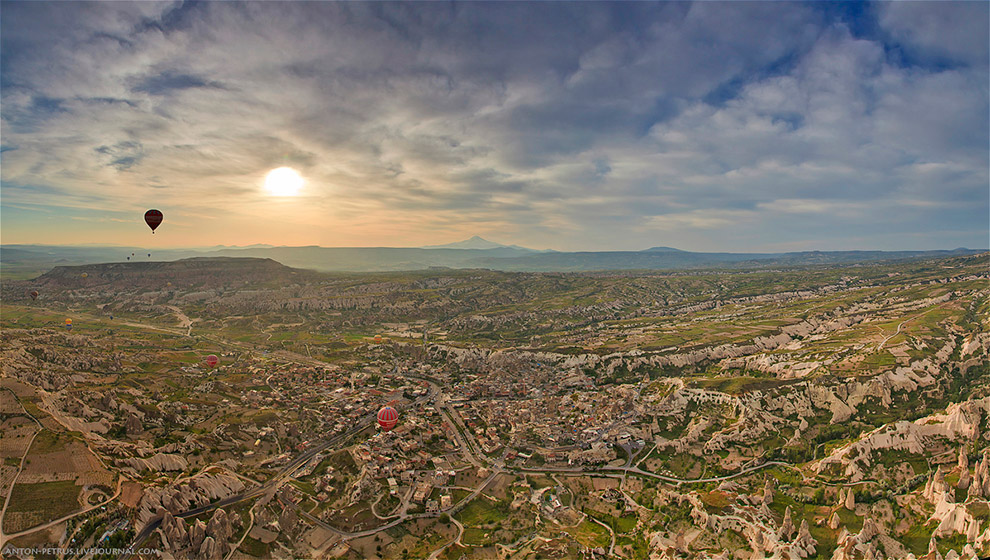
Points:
[[378, 339], [153, 218], [132, 254], [212, 360], [68, 324], [149, 254], [33, 294], [128, 258], [85, 275], [169, 284]]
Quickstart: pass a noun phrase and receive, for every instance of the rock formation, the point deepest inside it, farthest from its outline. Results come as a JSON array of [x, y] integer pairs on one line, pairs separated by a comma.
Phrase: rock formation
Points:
[[133, 425], [197, 534], [805, 542], [209, 550], [174, 532], [219, 528], [787, 526]]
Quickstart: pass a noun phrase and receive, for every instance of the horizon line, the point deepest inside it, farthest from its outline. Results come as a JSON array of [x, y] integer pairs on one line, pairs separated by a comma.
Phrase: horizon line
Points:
[[502, 246]]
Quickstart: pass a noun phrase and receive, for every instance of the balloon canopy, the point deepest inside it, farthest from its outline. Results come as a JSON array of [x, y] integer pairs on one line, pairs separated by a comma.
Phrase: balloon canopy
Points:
[[388, 417], [212, 360], [153, 218]]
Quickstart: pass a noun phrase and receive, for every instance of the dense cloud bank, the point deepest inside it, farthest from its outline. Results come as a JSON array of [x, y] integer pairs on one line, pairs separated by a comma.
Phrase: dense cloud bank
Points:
[[710, 126]]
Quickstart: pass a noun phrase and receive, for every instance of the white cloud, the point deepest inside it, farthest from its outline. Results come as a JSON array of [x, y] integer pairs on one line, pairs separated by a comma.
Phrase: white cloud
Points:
[[573, 125]]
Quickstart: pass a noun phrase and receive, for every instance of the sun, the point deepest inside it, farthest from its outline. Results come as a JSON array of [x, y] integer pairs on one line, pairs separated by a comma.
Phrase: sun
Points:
[[283, 181]]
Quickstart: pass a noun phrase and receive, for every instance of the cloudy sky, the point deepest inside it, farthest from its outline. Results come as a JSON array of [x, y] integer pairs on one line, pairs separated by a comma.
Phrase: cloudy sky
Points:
[[740, 126]]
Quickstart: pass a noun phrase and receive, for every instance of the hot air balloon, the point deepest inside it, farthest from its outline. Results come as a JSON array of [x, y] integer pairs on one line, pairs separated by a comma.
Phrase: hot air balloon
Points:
[[128, 258], [388, 417], [33, 294], [378, 339], [85, 275], [149, 254], [153, 218], [68, 324], [132, 254], [212, 360]]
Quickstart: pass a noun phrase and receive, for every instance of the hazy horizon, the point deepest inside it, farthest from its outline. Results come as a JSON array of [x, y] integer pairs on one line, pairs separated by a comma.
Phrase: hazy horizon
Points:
[[709, 127], [442, 246]]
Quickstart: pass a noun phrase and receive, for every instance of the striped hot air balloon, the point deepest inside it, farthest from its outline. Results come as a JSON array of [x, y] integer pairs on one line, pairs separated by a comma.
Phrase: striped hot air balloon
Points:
[[388, 417]]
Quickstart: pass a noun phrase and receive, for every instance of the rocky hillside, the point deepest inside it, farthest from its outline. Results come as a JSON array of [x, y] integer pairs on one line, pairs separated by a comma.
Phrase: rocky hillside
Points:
[[200, 272]]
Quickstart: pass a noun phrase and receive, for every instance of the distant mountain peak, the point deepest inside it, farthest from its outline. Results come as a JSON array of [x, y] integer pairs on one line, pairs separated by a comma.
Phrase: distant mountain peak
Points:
[[663, 250], [475, 242]]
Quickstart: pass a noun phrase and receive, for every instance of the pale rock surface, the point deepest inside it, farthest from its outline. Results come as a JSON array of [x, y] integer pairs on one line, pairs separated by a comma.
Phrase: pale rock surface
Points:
[[787, 525], [960, 422], [158, 462], [805, 542], [197, 534], [133, 425], [209, 550]]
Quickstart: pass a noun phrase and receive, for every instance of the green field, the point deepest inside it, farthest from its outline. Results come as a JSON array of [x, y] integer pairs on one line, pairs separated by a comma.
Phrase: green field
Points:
[[254, 548], [590, 534], [33, 504], [480, 512]]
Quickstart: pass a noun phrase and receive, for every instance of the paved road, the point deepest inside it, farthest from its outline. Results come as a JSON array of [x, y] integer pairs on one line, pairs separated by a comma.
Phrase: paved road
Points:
[[460, 533], [269, 486], [272, 485], [636, 470], [275, 482], [120, 482]]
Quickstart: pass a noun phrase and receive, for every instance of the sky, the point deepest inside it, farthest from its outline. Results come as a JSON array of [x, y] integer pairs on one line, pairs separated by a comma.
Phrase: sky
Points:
[[707, 126]]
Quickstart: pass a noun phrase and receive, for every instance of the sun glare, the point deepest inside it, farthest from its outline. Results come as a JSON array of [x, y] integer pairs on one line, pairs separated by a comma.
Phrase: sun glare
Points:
[[283, 181]]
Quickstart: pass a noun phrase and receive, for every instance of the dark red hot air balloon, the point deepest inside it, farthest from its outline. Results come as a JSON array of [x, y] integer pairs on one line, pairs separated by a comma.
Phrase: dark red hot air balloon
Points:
[[388, 417], [212, 360], [153, 218], [33, 294]]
